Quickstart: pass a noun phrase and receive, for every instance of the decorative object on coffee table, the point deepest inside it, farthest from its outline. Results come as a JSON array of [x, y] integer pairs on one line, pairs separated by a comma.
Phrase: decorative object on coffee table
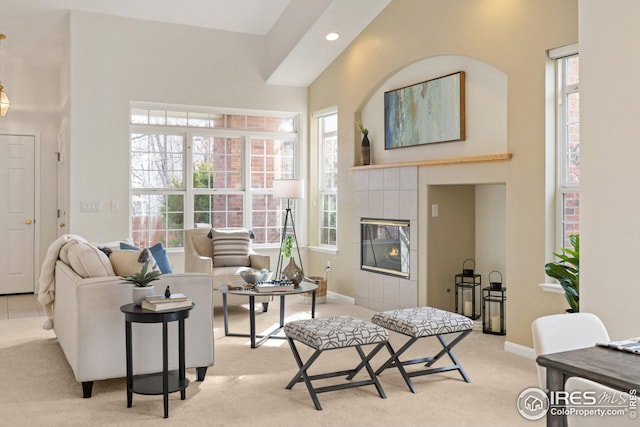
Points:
[[253, 276], [292, 272], [141, 281]]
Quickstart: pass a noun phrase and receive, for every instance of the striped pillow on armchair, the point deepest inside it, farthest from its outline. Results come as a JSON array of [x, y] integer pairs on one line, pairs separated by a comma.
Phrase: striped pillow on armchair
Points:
[[230, 247]]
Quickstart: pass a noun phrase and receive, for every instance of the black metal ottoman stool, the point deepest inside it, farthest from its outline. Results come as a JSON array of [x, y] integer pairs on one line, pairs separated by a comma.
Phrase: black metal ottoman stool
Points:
[[331, 334], [421, 322]]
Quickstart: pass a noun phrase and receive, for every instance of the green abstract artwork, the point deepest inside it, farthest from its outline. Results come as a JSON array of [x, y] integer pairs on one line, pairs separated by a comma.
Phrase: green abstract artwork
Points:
[[425, 113]]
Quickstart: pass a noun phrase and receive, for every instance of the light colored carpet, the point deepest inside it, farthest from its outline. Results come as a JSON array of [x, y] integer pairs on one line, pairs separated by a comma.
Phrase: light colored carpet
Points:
[[246, 387]]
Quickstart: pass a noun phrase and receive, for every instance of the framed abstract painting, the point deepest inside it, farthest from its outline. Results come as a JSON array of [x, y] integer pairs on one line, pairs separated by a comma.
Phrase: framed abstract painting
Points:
[[425, 113]]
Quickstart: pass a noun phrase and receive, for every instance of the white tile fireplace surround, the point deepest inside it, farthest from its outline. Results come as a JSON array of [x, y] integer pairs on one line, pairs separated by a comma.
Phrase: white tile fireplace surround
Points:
[[389, 193]]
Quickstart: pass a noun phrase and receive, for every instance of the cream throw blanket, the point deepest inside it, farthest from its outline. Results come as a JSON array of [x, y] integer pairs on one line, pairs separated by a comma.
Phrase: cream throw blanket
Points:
[[46, 282]]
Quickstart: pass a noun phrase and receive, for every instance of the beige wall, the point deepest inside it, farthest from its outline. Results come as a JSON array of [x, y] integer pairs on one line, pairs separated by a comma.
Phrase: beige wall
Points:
[[510, 36], [491, 226], [610, 206], [451, 241]]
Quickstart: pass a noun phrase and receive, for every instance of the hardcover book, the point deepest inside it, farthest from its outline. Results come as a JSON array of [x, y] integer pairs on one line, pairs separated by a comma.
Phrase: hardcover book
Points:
[[274, 287], [161, 299], [166, 305]]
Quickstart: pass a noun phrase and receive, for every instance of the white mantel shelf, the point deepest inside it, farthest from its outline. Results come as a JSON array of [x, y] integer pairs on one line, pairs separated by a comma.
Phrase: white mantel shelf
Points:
[[486, 158]]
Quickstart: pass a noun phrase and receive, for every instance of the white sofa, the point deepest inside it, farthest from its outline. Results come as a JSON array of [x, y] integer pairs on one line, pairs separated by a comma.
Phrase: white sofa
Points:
[[198, 258], [90, 327]]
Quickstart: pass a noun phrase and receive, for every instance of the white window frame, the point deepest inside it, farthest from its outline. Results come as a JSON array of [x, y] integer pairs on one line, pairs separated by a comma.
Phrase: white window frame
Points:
[[563, 90], [322, 190], [188, 132]]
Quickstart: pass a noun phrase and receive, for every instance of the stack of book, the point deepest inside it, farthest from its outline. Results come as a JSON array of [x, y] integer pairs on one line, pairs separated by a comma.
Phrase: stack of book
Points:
[[160, 302], [274, 286]]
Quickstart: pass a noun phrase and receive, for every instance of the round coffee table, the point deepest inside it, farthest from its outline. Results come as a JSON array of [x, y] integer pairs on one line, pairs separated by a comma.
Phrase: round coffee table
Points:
[[256, 339]]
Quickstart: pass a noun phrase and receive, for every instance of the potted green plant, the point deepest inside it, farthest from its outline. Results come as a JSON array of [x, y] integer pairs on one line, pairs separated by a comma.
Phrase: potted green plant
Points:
[[567, 272], [287, 246], [141, 282]]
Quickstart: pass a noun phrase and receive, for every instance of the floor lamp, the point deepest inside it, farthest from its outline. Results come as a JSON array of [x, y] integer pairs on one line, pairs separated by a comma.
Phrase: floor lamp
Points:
[[288, 189]]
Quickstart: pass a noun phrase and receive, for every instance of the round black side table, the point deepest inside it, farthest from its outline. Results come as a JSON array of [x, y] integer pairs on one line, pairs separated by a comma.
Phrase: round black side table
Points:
[[164, 382]]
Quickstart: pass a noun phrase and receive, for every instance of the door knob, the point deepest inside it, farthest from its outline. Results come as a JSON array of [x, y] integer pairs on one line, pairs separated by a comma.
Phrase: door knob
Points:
[[28, 222], [63, 225]]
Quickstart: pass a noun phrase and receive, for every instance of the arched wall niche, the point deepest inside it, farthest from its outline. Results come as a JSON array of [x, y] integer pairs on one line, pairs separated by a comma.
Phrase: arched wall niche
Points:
[[485, 110]]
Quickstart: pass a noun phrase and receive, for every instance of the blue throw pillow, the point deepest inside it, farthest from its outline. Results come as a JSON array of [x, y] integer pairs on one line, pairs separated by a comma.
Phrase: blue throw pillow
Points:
[[159, 254], [128, 247]]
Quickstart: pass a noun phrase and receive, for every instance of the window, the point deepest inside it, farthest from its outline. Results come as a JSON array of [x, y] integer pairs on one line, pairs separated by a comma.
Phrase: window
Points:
[[568, 171], [328, 179], [199, 167]]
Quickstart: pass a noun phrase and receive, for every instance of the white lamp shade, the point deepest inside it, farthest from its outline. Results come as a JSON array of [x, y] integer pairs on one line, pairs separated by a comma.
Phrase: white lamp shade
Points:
[[288, 189]]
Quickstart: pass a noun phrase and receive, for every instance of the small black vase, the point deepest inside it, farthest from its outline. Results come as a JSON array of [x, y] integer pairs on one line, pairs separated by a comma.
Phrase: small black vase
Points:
[[365, 151]]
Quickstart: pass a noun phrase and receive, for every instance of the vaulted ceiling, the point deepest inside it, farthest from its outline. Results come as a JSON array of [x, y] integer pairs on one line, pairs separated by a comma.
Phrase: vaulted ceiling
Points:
[[294, 30]]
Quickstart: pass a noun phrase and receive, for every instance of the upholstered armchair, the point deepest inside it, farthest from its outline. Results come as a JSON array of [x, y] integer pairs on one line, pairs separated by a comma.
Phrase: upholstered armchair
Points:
[[199, 256]]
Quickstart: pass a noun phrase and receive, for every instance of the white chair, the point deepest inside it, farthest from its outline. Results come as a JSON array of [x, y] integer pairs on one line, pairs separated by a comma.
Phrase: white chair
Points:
[[582, 384], [198, 258], [564, 332]]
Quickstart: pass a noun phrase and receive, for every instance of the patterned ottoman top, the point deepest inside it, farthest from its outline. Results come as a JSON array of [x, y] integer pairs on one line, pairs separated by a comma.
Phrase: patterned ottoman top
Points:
[[335, 332], [422, 321]]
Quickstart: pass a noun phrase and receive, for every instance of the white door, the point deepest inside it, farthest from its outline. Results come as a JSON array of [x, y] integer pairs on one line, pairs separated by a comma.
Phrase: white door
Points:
[[17, 214], [63, 180]]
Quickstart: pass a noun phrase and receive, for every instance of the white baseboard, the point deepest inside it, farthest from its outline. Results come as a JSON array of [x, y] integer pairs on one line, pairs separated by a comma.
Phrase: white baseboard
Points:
[[343, 298], [520, 350]]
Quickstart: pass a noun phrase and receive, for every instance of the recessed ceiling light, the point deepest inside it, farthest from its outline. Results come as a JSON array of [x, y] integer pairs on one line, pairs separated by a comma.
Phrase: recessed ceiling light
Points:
[[332, 36]]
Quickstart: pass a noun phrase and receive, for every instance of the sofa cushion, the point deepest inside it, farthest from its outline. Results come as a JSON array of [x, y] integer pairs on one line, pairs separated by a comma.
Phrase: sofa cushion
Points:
[[159, 254], [86, 260], [230, 247], [126, 263]]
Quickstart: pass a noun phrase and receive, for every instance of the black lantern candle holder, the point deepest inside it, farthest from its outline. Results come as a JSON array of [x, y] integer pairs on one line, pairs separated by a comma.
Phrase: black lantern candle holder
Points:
[[467, 286], [493, 307]]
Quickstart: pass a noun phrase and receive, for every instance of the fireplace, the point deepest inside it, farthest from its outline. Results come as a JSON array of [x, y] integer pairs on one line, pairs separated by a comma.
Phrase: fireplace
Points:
[[384, 246]]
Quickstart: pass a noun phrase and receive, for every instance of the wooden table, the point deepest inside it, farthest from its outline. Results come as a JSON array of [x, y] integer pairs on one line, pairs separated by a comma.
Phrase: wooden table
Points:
[[256, 339], [616, 369]]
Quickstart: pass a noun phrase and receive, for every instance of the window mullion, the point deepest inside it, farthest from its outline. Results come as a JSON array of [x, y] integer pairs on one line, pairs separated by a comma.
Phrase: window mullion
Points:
[[246, 181], [188, 171]]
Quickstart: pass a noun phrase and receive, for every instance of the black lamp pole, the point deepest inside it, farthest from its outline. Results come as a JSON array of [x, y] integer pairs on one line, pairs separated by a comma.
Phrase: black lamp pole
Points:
[[288, 215]]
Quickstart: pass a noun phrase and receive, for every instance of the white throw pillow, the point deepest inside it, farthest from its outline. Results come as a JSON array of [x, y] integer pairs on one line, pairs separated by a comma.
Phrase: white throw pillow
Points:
[[231, 247], [127, 262], [86, 260]]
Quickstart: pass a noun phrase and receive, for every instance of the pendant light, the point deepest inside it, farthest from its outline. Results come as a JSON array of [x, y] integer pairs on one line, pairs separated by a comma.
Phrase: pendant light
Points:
[[4, 99]]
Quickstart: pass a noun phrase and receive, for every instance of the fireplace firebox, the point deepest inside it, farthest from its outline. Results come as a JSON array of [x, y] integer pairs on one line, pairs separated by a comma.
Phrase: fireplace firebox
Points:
[[384, 246]]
